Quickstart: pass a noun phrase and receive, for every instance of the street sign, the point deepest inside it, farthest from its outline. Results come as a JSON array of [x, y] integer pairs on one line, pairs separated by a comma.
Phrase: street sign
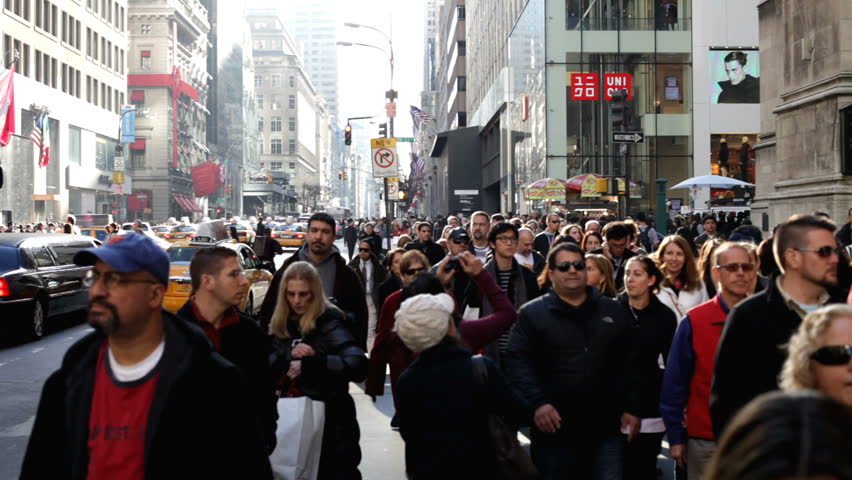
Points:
[[393, 188], [628, 137], [384, 157], [118, 177], [118, 164], [405, 139]]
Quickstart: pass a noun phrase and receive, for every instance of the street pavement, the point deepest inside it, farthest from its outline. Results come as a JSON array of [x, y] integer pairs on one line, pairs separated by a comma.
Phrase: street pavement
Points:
[[24, 367]]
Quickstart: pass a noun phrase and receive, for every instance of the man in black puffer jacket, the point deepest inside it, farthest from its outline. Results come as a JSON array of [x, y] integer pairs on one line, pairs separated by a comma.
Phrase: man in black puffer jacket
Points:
[[219, 286], [571, 355]]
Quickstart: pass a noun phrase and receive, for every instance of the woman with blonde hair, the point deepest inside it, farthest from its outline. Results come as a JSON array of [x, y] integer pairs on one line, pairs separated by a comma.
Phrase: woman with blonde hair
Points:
[[403, 241], [819, 354], [600, 274], [705, 264], [682, 287], [315, 355]]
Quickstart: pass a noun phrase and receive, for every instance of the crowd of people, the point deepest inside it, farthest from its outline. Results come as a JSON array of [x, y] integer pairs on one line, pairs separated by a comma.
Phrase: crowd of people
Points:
[[47, 226], [596, 338]]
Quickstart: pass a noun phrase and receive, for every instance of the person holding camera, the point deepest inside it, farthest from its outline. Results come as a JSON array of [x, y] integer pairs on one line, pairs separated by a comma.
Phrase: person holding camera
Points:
[[458, 242]]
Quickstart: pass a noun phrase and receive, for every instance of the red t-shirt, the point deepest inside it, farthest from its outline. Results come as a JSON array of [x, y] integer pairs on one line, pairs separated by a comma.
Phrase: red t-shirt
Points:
[[230, 318], [118, 421]]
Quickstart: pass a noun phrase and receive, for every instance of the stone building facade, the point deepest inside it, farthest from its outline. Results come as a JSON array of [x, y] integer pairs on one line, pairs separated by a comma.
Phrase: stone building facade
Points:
[[805, 94]]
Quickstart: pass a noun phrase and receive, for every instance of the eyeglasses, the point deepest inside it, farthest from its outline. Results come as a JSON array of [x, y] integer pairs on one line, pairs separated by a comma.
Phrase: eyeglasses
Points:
[[578, 265], [506, 239], [111, 279], [364, 250], [833, 355], [823, 252], [735, 267], [413, 271]]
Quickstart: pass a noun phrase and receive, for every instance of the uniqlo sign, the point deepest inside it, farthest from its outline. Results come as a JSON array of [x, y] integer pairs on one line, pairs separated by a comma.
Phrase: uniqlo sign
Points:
[[618, 81], [586, 86]]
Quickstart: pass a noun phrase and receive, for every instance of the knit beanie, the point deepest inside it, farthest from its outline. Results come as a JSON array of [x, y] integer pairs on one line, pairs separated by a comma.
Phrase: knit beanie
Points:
[[422, 321]]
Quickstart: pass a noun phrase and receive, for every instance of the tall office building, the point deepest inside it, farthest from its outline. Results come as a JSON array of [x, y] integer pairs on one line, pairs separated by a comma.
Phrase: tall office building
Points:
[[450, 65], [72, 65]]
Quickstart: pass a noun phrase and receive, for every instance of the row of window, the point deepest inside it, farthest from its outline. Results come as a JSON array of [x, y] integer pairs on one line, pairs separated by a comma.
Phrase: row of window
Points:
[[276, 147], [110, 56], [278, 166], [275, 103], [71, 30], [275, 124], [46, 12], [276, 81], [47, 71]]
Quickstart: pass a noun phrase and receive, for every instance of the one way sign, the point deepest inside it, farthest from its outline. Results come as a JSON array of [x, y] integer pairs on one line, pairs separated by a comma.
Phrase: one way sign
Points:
[[628, 137]]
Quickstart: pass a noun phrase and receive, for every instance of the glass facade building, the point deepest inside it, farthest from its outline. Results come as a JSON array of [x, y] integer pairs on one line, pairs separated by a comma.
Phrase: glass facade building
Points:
[[566, 56]]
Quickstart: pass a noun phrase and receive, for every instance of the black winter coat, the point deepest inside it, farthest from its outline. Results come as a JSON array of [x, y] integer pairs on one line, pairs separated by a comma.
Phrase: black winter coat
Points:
[[348, 296], [654, 329], [443, 414], [618, 267], [200, 425], [326, 376], [244, 345], [751, 353], [350, 235], [581, 360], [434, 252], [379, 276], [386, 288]]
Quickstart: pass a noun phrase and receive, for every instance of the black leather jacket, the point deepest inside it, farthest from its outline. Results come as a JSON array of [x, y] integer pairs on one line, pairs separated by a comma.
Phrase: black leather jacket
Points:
[[338, 360]]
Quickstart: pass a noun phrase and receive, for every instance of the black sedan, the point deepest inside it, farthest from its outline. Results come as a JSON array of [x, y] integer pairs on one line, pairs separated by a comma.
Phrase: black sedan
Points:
[[38, 278]]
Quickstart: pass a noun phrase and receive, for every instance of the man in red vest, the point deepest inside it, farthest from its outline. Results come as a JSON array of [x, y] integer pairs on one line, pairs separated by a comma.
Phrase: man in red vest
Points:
[[689, 370]]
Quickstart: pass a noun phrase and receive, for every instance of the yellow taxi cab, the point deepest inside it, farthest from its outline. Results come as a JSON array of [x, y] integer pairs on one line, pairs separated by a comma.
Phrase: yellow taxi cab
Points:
[[290, 236], [180, 232], [244, 232], [161, 230], [180, 283]]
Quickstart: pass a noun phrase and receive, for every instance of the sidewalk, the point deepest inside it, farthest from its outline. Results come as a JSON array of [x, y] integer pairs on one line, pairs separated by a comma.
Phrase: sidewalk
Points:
[[382, 449]]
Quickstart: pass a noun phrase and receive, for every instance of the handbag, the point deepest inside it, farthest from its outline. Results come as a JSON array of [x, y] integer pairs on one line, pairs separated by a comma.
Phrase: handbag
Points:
[[513, 462], [300, 429]]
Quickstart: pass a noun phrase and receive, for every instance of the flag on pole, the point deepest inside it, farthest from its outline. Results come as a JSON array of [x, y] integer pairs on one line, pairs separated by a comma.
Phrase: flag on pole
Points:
[[7, 105], [41, 138]]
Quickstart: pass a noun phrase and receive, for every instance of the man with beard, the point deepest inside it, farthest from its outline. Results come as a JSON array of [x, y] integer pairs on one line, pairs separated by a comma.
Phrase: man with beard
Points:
[[752, 349], [740, 87], [219, 286], [479, 227], [339, 282], [127, 395]]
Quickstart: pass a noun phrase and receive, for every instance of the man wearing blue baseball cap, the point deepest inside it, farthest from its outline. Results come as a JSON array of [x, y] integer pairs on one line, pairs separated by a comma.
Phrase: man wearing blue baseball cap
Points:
[[144, 395]]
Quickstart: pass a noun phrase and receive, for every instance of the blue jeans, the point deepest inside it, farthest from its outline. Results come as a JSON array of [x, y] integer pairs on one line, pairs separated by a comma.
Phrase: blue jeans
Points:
[[580, 459]]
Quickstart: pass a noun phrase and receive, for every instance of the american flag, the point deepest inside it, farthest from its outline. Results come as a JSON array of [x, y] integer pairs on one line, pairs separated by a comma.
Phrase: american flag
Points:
[[418, 116], [417, 166], [41, 139]]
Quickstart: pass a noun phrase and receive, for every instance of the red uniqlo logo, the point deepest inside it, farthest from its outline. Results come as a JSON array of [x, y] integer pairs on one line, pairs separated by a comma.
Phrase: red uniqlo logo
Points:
[[584, 86], [618, 81]]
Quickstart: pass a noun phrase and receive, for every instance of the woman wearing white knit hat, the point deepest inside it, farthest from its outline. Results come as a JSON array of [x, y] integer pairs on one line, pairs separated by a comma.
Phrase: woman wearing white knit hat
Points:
[[444, 400]]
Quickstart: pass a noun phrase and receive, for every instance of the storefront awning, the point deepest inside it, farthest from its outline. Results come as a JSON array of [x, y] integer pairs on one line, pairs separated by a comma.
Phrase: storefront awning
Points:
[[186, 203], [138, 144], [137, 95]]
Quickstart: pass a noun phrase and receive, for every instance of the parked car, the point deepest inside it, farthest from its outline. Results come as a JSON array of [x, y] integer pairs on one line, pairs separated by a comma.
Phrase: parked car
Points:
[[290, 236], [180, 283], [38, 278]]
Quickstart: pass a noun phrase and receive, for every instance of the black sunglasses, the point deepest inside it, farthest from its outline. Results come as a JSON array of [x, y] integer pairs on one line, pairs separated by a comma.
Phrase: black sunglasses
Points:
[[734, 267], [413, 271], [833, 355], [823, 252], [578, 265], [364, 250]]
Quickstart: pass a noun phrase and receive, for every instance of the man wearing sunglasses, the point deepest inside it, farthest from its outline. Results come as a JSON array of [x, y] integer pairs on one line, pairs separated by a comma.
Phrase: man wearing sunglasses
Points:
[[571, 354], [689, 369], [128, 394], [458, 242], [752, 350], [371, 274], [544, 239]]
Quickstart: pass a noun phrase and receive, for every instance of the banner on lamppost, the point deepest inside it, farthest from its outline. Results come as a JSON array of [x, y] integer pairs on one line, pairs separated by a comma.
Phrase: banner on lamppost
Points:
[[128, 123]]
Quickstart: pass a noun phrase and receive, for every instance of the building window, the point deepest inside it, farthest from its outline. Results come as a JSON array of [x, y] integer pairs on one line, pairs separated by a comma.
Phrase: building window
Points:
[[137, 159], [462, 48], [292, 165], [260, 102], [291, 124], [275, 124], [145, 29], [276, 102], [260, 124], [462, 85], [461, 12], [276, 166], [20, 8], [258, 81], [145, 60], [291, 102], [276, 80], [74, 146], [275, 146], [291, 146], [292, 81]]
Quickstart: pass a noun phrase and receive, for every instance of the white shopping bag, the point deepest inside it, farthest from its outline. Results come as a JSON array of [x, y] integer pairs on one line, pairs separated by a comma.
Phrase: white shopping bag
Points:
[[300, 426]]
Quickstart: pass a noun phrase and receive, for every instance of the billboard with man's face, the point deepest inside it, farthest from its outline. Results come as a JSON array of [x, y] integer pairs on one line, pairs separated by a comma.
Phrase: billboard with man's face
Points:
[[735, 76]]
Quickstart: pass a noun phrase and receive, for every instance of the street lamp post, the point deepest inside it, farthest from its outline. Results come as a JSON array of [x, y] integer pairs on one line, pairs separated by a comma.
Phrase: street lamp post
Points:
[[390, 95]]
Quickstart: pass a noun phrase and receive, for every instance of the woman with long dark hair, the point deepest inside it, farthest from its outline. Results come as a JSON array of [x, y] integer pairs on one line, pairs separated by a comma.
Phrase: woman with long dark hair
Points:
[[654, 328], [682, 287], [315, 355]]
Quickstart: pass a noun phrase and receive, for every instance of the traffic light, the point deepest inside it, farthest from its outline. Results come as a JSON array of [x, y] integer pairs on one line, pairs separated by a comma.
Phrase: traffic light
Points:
[[345, 175], [620, 111], [383, 129], [218, 211], [347, 134]]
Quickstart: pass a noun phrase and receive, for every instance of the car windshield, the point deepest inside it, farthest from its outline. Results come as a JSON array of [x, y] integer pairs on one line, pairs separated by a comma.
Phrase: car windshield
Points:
[[239, 227], [288, 228], [183, 228], [181, 254], [160, 229], [10, 259]]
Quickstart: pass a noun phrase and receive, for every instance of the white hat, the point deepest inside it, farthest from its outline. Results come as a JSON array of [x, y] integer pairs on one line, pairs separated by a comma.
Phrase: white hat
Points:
[[422, 321]]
